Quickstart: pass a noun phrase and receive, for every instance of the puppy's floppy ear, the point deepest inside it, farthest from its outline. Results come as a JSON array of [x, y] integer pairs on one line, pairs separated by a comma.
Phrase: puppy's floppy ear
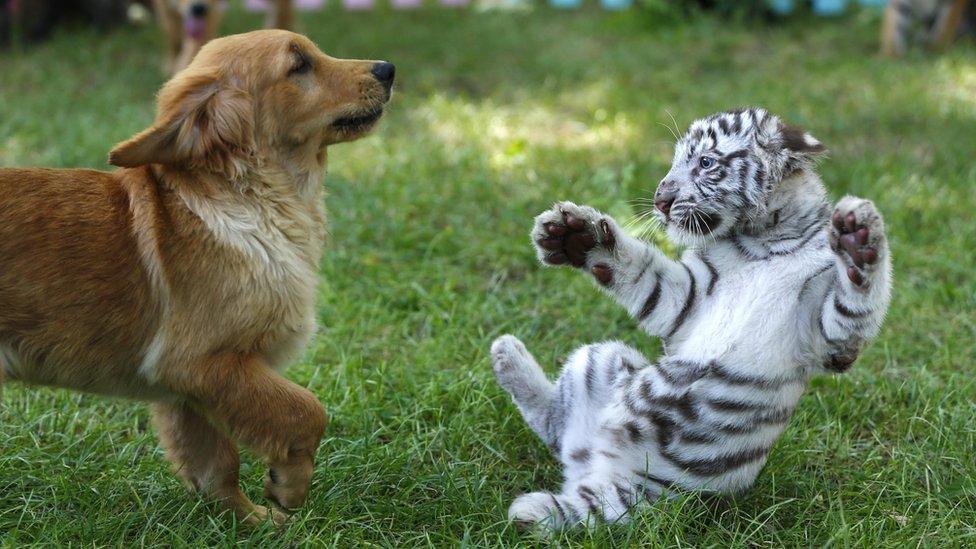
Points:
[[202, 124], [799, 147]]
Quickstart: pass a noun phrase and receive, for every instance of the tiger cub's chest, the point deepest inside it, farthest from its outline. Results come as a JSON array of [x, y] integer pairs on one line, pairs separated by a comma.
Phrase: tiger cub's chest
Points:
[[754, 308]]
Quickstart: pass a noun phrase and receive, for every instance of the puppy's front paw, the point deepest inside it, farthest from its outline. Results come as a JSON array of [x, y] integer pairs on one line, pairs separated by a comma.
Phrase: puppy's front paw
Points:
[[247, 512], [568, 233], [259, 514], [286, 483], [857, 236]]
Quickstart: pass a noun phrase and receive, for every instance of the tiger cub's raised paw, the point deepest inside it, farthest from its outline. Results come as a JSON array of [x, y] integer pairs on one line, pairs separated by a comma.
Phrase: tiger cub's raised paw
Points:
[[857, 236], [568, 234]]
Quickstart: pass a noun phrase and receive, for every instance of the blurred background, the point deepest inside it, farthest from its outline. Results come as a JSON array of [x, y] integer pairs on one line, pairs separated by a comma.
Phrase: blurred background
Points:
[[500, 108]]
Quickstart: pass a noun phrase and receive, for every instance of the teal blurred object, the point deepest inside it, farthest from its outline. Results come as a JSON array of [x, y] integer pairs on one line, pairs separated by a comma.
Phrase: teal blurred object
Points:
[[616, 5], [781, 7], [821, 7], [829, 7], [566, 4]]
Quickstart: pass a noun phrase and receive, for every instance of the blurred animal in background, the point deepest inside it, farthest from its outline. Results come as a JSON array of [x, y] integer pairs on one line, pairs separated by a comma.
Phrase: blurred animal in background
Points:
[[933, 23], [32, 20], [189, 24]]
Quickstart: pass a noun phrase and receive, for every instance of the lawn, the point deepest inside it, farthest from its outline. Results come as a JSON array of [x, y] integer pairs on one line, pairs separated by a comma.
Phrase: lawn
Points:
[[496, 116]]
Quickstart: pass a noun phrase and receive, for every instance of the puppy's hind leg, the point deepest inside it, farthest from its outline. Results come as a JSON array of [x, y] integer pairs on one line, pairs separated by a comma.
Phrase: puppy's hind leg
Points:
[[206, 460]]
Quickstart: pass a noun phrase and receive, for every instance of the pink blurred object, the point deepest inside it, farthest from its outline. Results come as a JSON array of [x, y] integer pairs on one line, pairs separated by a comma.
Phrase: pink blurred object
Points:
[[357, 5], [454, 3], [302, 5], [195, 28], [406, 4]]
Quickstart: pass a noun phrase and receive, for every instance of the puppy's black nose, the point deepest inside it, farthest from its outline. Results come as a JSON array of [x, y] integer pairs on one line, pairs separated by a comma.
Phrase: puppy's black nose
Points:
[[199, 9], [384, 72]]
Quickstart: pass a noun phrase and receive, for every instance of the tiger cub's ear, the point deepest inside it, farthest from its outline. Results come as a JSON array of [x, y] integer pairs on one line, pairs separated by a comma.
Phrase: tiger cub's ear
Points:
[[799, 147]]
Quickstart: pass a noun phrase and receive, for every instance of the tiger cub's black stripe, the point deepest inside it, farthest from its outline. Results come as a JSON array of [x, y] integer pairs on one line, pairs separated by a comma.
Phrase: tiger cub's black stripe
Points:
[[689, 301], [590, 376], [718, 465], [656, 480], [652, 299], [846, 312], [712, 271], [589, 497], [805, 287]]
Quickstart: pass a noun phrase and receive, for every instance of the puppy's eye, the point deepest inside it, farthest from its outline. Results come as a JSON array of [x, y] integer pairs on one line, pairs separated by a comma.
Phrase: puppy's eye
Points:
[[706, 162], [301, 66]]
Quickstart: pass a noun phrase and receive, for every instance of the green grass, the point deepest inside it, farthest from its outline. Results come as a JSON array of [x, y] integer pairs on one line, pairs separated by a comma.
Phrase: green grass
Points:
[[495, 117]]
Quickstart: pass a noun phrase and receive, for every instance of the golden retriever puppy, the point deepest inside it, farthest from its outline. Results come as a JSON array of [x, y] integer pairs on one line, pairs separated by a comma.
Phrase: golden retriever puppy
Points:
[[189, 24], [187, 278]]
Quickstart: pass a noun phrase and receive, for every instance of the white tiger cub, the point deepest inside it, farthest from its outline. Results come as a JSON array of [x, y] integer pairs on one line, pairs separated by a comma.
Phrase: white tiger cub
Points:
[[772, 289]]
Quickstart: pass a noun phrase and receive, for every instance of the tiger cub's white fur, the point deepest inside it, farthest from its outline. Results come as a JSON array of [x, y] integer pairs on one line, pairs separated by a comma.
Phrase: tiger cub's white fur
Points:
[[772, 288]]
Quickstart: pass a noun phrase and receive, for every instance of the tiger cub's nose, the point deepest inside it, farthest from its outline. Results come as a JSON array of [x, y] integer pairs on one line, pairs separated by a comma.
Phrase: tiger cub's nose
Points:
[[664, 205], [665, 195]]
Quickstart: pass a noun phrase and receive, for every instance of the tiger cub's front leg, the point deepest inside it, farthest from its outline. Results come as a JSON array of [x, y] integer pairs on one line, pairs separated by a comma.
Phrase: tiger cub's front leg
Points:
[[653, 288], [855, 305]]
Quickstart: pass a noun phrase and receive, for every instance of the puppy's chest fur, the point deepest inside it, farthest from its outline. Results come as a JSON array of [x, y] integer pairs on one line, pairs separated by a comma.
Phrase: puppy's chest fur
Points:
[[261, 248]]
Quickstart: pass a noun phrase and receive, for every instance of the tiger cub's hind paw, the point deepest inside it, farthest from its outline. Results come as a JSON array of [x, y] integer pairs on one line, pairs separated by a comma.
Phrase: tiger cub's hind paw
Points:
[[518, 372], [535, 512]]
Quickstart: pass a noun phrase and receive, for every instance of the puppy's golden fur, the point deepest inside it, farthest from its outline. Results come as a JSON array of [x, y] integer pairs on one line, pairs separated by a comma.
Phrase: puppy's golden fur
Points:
[[189, 24], [188, 277]]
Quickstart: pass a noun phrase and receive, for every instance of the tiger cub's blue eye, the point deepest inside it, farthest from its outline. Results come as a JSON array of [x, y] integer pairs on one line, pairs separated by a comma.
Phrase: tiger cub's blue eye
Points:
[[706, 162]]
